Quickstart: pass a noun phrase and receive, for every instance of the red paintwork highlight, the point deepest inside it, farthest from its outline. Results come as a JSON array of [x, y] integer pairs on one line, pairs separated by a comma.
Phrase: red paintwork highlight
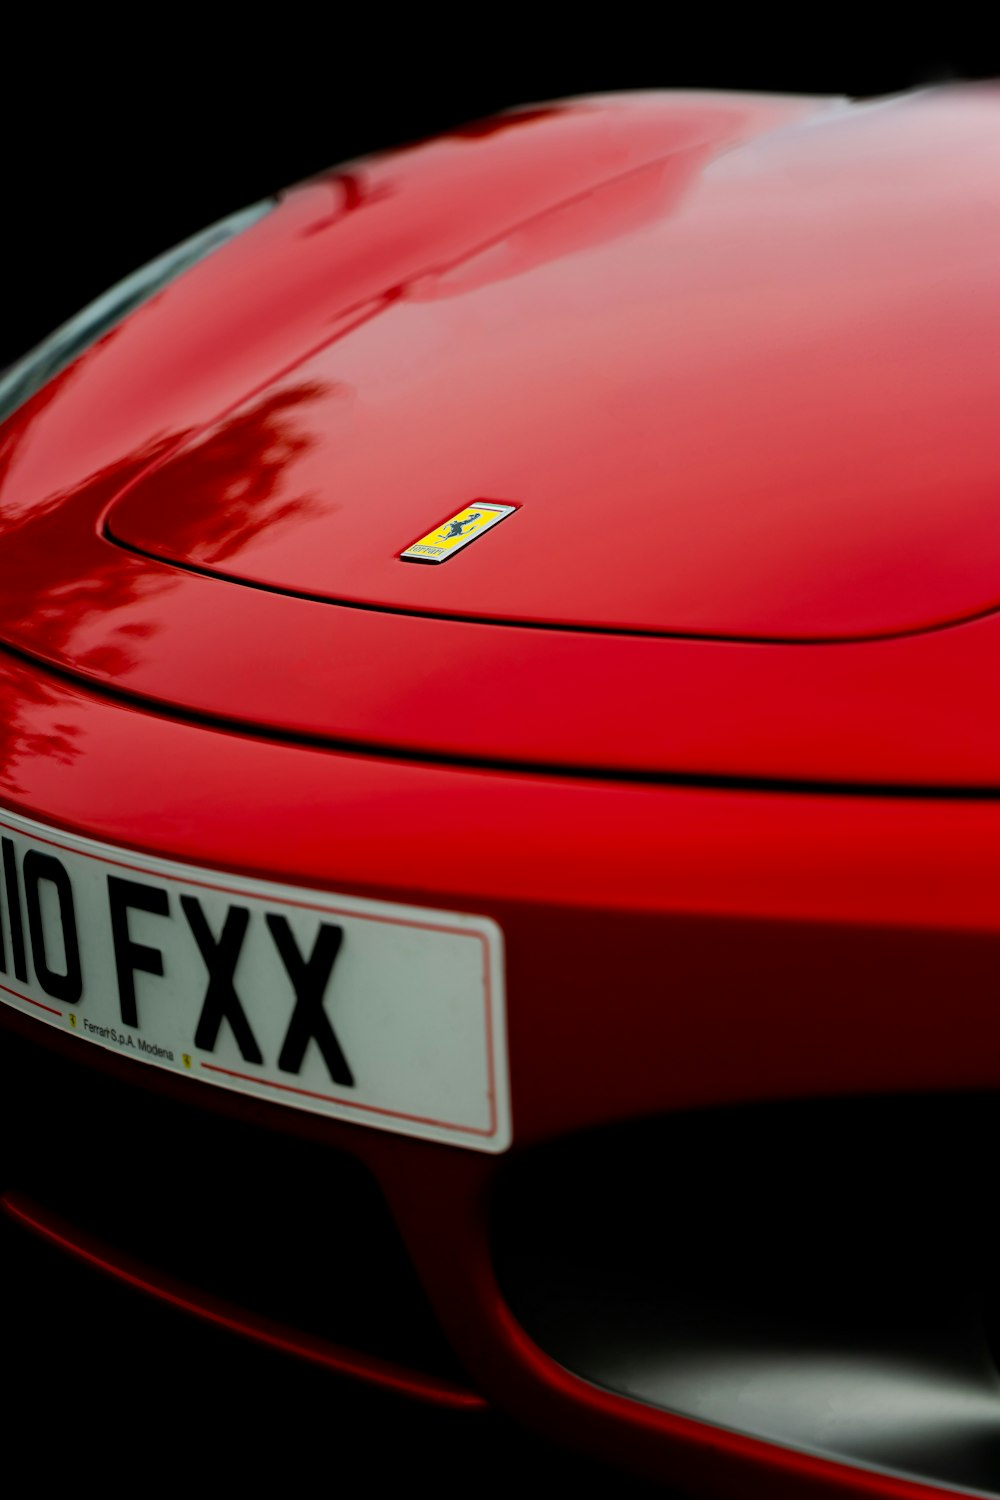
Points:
[[745, 389], [383, 1374], [213, 885], [223, 345]]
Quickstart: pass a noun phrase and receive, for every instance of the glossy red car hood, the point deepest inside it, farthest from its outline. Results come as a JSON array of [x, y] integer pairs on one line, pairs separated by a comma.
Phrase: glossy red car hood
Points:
[[741, 389], [734, 359]]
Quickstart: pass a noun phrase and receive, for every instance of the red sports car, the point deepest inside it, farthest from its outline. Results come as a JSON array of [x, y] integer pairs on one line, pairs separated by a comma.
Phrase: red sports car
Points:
[[500, 750]]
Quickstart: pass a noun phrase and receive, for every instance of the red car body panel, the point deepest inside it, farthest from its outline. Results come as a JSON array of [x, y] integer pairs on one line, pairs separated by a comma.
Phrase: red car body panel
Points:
[[658, 725], [234, 392], [653, 894], [736, 341]]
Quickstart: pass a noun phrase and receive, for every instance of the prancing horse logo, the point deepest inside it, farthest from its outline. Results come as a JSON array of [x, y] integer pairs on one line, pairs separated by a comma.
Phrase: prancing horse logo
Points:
[[456, 528], [465, 526]]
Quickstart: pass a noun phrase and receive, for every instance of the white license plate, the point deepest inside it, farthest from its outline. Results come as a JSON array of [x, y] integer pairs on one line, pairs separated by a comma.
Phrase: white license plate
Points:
[[385, 1015]]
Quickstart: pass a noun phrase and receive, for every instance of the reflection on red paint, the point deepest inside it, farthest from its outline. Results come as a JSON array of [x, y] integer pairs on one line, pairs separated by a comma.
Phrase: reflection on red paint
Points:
[[362, 1367]]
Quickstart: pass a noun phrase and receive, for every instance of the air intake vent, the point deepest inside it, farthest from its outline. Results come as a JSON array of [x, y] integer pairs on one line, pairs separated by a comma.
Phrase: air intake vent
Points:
[[821, 1275]]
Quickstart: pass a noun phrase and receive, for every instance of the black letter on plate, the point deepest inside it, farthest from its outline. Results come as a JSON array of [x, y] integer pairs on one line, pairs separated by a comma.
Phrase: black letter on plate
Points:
[[221, 1001], [130, 956], [14, 912], [310, 977], [67, 987]]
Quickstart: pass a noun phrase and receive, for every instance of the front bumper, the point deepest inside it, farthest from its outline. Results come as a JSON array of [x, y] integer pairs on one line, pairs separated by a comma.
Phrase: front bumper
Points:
[[668, 949]]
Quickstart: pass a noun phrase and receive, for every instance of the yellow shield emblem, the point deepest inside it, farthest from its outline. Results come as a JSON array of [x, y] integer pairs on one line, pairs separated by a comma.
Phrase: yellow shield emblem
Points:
[[458, 531]]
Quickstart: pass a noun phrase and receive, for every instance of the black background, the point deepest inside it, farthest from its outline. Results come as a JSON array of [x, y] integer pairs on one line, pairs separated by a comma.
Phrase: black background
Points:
[[118, 142]]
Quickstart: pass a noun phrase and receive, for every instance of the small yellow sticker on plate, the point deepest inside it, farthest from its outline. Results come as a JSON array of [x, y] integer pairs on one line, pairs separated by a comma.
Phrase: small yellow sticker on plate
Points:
[[457, 532]]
